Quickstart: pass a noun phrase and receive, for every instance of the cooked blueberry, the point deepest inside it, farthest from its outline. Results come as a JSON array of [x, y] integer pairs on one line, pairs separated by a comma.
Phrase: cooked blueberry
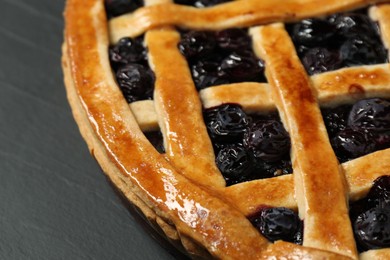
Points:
[[358, 207], [222, 57], [197, 44], [319, 59], [366, 215], [268, 140], [234, 162], [351, 24], [233, 39], [127, 50], [379, 194], [136, 82], [301, 50], [372, 228], [278, 224], [336, 118], [382, 140], [380, 191], [226, 123], [362, 50], [272, 169], [238, 68], [119, 7], [312, 32], [228, 128], [205, 74], [352, 143], [350, 39], [371, 114], [156, 139], [298, 238], [265, 117]]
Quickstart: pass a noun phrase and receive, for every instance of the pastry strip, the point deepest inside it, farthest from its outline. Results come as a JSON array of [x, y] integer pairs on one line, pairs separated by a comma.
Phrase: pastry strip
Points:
[[145, 114], [319, 183], [335, 87], [378, 254], [279, 191], [350, 84], [193, 211], [243, 13], [381, 14], [179, 110], [253, 97]]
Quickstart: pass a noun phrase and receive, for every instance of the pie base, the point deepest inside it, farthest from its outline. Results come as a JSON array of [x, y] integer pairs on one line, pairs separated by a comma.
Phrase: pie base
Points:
[[182, 243], [160, 189]]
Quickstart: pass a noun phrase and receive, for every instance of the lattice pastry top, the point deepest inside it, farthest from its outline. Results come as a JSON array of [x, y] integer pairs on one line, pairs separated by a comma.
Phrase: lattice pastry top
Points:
[[195, 190]]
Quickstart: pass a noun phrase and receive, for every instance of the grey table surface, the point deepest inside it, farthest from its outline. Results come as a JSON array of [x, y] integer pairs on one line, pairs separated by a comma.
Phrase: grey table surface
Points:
[[55, 202]]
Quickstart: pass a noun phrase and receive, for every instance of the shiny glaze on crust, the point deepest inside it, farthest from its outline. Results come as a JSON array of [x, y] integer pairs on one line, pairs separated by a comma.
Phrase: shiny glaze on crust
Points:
[[232, 14], [196, 212], [319, 183], [253, 97], [193, 211], [340, 85], [187, 144], [360, 174], [331, 88], [145, 114]]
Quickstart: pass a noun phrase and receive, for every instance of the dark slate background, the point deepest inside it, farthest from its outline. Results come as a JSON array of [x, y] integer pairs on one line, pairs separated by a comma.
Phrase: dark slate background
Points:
[[55, 202]]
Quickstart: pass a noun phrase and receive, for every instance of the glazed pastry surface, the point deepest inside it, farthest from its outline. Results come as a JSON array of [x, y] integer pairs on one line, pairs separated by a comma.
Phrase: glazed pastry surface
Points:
[[182, 190]]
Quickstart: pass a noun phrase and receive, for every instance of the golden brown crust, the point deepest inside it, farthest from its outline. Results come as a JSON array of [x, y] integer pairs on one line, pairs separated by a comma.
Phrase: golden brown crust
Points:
[[253, 97], [349, 84], [381, 14], [319, 184], [233, 14], [363, 171], [186, 140], [380, 254], [250, 196], [192, 210], [283, 250], [114, 174], [145, 114], [211, 219]]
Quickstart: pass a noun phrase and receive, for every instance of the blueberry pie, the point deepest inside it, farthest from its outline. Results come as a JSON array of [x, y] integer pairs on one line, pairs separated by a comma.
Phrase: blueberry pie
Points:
[[243, 129]]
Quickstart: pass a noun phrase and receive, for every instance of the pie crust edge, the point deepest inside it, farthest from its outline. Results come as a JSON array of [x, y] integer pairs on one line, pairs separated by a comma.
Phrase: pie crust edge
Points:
[[99, 152], [95, 147]]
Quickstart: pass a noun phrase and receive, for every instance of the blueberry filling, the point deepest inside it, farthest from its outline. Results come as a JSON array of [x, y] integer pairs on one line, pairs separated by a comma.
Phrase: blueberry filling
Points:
[[156, 139], [371, 114], [226, 123], [126, 51], [129, 62], [278, 224], [358, 129], [234, 161], [221, 57], [135, 81], [118, 7], [247, 147], [201, 3], [268, 140], [337, 41], [370, 217]]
